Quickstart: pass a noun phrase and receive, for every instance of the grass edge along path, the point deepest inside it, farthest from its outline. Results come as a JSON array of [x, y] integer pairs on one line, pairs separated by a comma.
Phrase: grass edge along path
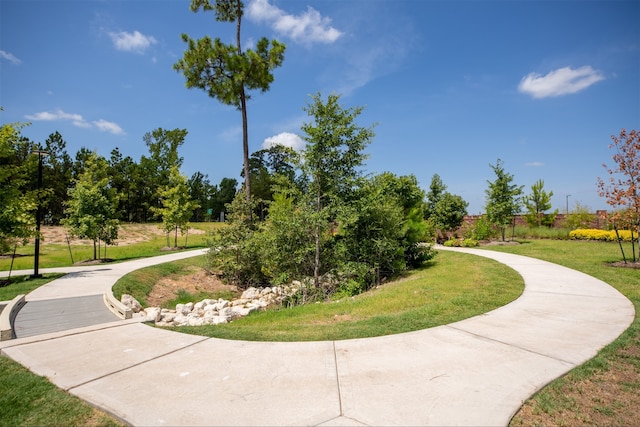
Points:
[[27, 399], [606, 389]]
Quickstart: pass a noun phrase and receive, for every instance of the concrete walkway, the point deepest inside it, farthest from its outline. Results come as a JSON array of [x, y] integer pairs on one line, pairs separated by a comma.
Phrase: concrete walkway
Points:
[[474, 372]]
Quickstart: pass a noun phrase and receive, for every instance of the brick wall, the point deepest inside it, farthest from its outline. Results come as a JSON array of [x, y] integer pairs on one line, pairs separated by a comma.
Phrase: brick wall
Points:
[[599, 220]]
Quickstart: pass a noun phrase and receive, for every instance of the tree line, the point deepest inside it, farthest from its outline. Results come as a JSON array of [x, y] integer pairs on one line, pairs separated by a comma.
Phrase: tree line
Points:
[[78, 191]]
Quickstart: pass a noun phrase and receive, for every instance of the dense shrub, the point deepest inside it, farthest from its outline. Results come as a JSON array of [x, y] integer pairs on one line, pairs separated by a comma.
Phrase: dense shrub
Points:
[[464, 243], [602, 235]]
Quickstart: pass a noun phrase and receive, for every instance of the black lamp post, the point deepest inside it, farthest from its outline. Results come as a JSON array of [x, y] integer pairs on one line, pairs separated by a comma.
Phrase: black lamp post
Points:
[[36, 260]]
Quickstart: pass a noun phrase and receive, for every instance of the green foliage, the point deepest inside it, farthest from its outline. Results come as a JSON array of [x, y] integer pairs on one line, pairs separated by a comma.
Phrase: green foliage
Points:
[[482, 229], [463, 243], [17, 222], [444, 211], [503, 198], [57, 176], [333, 226], [287, 239], [537, 203], [177, 206], [91, 208], [526, 232], [235, 249], [580, 217]]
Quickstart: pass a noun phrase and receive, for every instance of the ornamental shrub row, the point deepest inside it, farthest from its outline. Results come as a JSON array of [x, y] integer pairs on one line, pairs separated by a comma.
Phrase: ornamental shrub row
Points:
[[602, 235]]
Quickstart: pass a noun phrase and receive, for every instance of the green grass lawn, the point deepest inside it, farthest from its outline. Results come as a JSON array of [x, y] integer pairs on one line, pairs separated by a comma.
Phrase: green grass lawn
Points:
[[30, 400], [60, 255]]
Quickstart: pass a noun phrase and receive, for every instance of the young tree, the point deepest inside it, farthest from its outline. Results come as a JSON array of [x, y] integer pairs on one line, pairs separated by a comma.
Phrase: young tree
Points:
[[444, 211], [91, 208], [623, 188], [225, 71], [503, 198], [163, 156], [331, 161], [177, 206], [537, 203], [449, 212], [436, 190]]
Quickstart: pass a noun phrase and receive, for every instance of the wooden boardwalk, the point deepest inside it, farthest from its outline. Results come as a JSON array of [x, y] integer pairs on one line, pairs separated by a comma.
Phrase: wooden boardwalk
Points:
[[55, 315]]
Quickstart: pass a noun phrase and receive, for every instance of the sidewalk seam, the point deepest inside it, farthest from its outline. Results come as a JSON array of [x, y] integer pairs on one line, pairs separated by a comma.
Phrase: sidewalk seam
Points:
[[137, 364], [486, 338]]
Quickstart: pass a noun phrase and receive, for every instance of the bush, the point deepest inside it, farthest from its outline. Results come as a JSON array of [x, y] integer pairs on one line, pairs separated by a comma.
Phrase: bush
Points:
[[464, 243], [482, 229], [601, 235], [542, 233]]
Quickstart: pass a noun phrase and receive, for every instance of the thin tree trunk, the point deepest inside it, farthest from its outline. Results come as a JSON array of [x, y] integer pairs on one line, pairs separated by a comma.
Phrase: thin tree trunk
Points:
[[615, 227], [243, 108]]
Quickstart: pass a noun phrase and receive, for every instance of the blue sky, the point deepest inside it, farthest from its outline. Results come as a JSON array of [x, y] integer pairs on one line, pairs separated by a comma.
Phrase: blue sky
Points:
[[452, 85]]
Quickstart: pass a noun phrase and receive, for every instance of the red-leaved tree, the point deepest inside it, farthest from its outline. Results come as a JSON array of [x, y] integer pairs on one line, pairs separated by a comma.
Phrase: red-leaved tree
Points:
[[622, 190]]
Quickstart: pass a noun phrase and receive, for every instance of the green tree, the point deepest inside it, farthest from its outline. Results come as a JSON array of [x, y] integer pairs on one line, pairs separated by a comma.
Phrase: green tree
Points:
[[163, 156], [201, 192], [449, 212], [436, 190], [537, 203], [91, 208], [225, 194], [331, 163], [126, 181], [235, 251], [177, 206], [17, 201], [225, 71], [444, 211], [268, 168], [57, 175], [580, 217], [503, 198]]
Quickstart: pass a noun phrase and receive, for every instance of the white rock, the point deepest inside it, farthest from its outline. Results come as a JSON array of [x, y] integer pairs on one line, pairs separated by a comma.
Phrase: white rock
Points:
[[195, 321], [131, 302], [152, 314]]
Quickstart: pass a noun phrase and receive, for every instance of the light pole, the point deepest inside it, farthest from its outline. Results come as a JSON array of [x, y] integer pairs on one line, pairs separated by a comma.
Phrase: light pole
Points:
[[568, 203], [36, 260]]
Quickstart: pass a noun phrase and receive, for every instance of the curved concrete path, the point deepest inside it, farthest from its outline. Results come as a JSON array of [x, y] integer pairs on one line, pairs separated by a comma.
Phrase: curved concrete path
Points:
[[474, 372]]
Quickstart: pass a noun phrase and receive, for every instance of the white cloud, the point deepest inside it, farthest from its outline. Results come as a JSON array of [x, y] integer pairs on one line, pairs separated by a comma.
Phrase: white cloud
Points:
[[132, 42], [562, 81], [110, 127], [76, 120], [534, 164], [10, 57], [307, 28], [287, 139]]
